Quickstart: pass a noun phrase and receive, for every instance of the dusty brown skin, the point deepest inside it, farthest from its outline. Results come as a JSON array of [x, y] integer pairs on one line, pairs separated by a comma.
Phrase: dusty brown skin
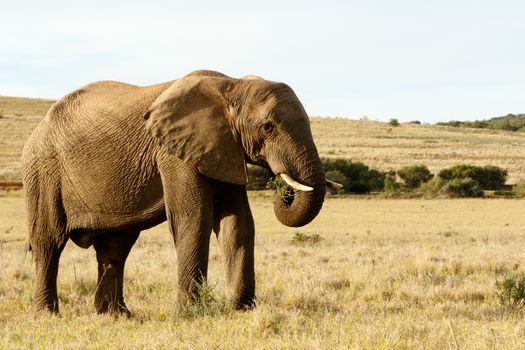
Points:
[[112, 159]]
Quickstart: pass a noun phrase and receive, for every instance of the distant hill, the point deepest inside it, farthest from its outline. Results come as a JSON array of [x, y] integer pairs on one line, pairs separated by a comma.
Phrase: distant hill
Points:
[[509, 122], [24, 106], [18, 118], [376, 144]]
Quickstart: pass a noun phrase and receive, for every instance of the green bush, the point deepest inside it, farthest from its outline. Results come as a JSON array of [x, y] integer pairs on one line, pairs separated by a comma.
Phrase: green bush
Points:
[[393, 122], [304, 239], [489, 177], [456, 188], [431, 188], [414, 175], [519, 189], [460, 171], [492, 177], [257, 178], [510, 122], [339, 177], [376, 180], [453, 123], [356, 177], [390, 183], [511, 291], [504, 193], [461, 188]]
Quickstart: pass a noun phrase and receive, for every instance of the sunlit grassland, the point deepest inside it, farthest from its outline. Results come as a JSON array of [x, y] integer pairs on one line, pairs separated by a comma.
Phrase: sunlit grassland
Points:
[[18, 118], [385, 274]]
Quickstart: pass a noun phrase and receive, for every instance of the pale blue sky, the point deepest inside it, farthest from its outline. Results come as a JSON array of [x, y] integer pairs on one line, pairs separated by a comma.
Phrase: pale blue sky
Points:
[[424, 60]]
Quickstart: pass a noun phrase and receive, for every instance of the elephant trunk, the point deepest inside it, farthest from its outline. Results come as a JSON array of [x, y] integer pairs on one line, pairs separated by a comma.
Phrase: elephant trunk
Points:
[[306, 202]]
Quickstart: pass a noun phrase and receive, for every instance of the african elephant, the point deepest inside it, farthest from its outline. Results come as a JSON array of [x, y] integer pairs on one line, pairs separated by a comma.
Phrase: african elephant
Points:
[[111, 159]]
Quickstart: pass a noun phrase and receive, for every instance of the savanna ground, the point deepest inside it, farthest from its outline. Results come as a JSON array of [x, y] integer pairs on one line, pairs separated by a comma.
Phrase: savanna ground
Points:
[[368, 273], [384, 273]]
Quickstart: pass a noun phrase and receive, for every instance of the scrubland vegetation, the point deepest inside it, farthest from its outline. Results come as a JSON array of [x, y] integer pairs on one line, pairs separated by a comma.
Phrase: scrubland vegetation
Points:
[[370, 272], [510, 122]]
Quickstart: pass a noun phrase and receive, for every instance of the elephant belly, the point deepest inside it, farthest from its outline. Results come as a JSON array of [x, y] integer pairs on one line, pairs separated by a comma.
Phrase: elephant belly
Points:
[[84, 227], [113, 194], [114, 209]]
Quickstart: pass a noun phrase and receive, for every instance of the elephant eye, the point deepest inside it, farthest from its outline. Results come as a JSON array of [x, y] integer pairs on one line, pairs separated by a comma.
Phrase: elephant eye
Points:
[[268, 127]]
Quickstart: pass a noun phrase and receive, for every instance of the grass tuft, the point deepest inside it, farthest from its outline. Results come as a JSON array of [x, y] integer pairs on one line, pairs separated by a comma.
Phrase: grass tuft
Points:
[[511, 291], [304, 239], [204, 304]]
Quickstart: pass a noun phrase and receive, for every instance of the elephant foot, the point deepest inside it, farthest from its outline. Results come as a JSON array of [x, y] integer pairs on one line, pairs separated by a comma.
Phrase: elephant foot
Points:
[[109, 296], [245, 303], [46, 305], [113, 308], [46, 309]]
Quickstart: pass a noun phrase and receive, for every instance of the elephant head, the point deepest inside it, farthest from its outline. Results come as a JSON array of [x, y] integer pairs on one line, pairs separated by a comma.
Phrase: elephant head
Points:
[[218, 124]]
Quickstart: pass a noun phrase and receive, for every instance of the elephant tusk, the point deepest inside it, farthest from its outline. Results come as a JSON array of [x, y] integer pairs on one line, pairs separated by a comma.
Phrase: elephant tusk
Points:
[[294, 184], [334, 185]]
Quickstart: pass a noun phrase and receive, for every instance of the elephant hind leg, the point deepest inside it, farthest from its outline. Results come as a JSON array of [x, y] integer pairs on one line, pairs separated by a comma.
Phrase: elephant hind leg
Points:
[[112, 249], [47, 239], [46, 256]]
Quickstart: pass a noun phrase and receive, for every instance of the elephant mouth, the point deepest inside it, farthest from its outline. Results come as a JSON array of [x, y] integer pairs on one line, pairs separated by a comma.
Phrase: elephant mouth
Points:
[[295, 185], [287, 194], [297, 204], [288, 189], [290, 181]]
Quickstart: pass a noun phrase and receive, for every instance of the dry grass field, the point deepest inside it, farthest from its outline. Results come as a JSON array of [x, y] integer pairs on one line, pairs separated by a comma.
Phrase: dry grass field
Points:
[[18, 118], [384, 273]]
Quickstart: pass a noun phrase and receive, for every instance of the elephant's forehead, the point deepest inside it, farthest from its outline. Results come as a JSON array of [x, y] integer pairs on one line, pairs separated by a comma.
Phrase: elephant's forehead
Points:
[[289, 110], [281, 111]]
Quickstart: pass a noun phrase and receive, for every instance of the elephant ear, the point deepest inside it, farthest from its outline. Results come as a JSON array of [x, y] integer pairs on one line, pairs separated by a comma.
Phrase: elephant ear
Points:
[[190, 119]]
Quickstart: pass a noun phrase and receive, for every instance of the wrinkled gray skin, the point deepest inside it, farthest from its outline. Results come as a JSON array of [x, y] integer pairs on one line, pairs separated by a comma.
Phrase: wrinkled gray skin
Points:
[[111, 159]]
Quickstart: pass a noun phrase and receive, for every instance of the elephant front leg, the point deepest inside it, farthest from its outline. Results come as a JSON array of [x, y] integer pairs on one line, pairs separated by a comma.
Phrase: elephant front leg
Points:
[[192, 242], [235, 230], [189, 210]]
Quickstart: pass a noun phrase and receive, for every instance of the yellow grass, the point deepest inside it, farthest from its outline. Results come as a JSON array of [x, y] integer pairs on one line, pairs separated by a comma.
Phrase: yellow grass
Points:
[[18, 117], [387, 274]]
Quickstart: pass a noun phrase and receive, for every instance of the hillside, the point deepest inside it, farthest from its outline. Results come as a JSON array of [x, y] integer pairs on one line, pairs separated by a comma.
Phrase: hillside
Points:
[[509, 122], [384, 147], [18, 117], [376, 144]]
